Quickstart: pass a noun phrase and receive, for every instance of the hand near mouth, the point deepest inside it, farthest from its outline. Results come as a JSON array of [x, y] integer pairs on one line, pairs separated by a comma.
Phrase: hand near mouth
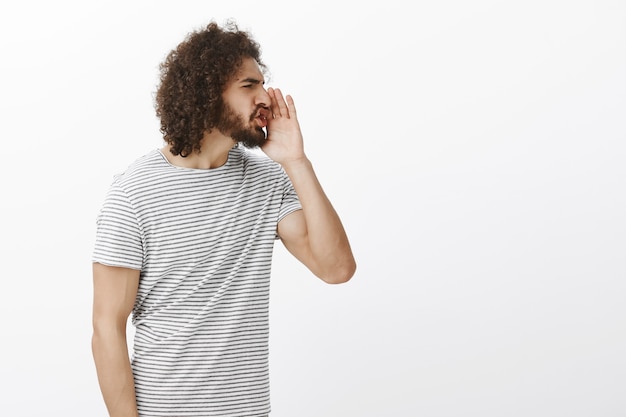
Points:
[[284, 139]]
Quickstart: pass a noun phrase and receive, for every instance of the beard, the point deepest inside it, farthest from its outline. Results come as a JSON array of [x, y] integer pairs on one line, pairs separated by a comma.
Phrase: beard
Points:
[[234, 125]]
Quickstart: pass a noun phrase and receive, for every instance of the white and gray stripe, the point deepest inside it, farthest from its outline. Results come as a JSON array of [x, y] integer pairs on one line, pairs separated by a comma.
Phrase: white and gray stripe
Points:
[[203, 241]]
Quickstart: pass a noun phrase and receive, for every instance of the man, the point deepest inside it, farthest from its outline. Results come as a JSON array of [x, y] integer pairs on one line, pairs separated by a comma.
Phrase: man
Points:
[[185, 238]]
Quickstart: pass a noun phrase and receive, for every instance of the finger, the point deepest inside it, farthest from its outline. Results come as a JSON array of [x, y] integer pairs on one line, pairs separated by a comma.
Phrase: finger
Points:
[[273, 103], [282, 105], [292, 107]]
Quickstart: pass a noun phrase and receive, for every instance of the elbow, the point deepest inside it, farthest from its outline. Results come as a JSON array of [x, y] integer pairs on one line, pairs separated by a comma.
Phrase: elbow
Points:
[[340, 274], [105, 330]]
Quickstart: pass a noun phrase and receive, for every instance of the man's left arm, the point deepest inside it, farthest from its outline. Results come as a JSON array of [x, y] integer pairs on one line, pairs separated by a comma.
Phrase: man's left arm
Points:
[[315, 234]]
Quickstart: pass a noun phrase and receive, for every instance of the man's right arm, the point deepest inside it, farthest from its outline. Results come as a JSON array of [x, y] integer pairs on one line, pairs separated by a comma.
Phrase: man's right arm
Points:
[[115, 290]]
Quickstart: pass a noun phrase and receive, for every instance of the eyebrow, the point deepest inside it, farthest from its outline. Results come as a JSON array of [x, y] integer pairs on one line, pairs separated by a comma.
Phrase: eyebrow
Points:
[[250, 80]]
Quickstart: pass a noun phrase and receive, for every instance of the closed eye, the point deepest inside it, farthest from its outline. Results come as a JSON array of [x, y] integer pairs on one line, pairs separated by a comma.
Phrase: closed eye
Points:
[[250, 82]]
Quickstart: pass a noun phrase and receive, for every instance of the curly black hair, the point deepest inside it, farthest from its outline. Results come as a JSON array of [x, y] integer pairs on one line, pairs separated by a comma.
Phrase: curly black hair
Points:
[[193, 78]]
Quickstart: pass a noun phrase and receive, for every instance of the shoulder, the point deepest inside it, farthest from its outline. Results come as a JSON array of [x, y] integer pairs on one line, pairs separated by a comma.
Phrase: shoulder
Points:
[[140, 168]]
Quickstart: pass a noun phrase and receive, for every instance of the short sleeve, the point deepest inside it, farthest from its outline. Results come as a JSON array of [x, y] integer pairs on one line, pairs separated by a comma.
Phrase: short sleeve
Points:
[[118, 234], [290, 201]]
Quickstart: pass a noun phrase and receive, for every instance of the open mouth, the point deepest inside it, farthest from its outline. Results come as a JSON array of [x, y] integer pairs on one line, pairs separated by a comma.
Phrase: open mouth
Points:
[[262, 120], [262, 117]]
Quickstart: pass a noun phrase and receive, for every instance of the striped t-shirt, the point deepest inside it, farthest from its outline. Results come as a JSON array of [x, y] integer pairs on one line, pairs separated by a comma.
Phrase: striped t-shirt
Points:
[[203, 241]]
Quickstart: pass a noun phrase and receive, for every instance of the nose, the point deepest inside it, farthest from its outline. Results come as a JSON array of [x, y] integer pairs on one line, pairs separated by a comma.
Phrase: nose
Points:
[[263, 98]]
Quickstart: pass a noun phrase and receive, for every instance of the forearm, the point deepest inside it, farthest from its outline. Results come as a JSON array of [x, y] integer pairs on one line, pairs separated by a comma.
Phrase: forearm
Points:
[[110, 353], [327, 240]]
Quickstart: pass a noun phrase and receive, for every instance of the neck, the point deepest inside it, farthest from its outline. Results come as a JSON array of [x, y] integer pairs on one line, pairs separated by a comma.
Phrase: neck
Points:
[[213, 152]]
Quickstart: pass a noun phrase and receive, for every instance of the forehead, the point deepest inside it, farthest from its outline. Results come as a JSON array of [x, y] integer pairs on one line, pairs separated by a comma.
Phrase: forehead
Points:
[[249, 69]]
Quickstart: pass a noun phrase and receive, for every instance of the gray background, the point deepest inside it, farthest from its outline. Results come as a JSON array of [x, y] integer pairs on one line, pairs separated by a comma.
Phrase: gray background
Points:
[[474, 150]]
